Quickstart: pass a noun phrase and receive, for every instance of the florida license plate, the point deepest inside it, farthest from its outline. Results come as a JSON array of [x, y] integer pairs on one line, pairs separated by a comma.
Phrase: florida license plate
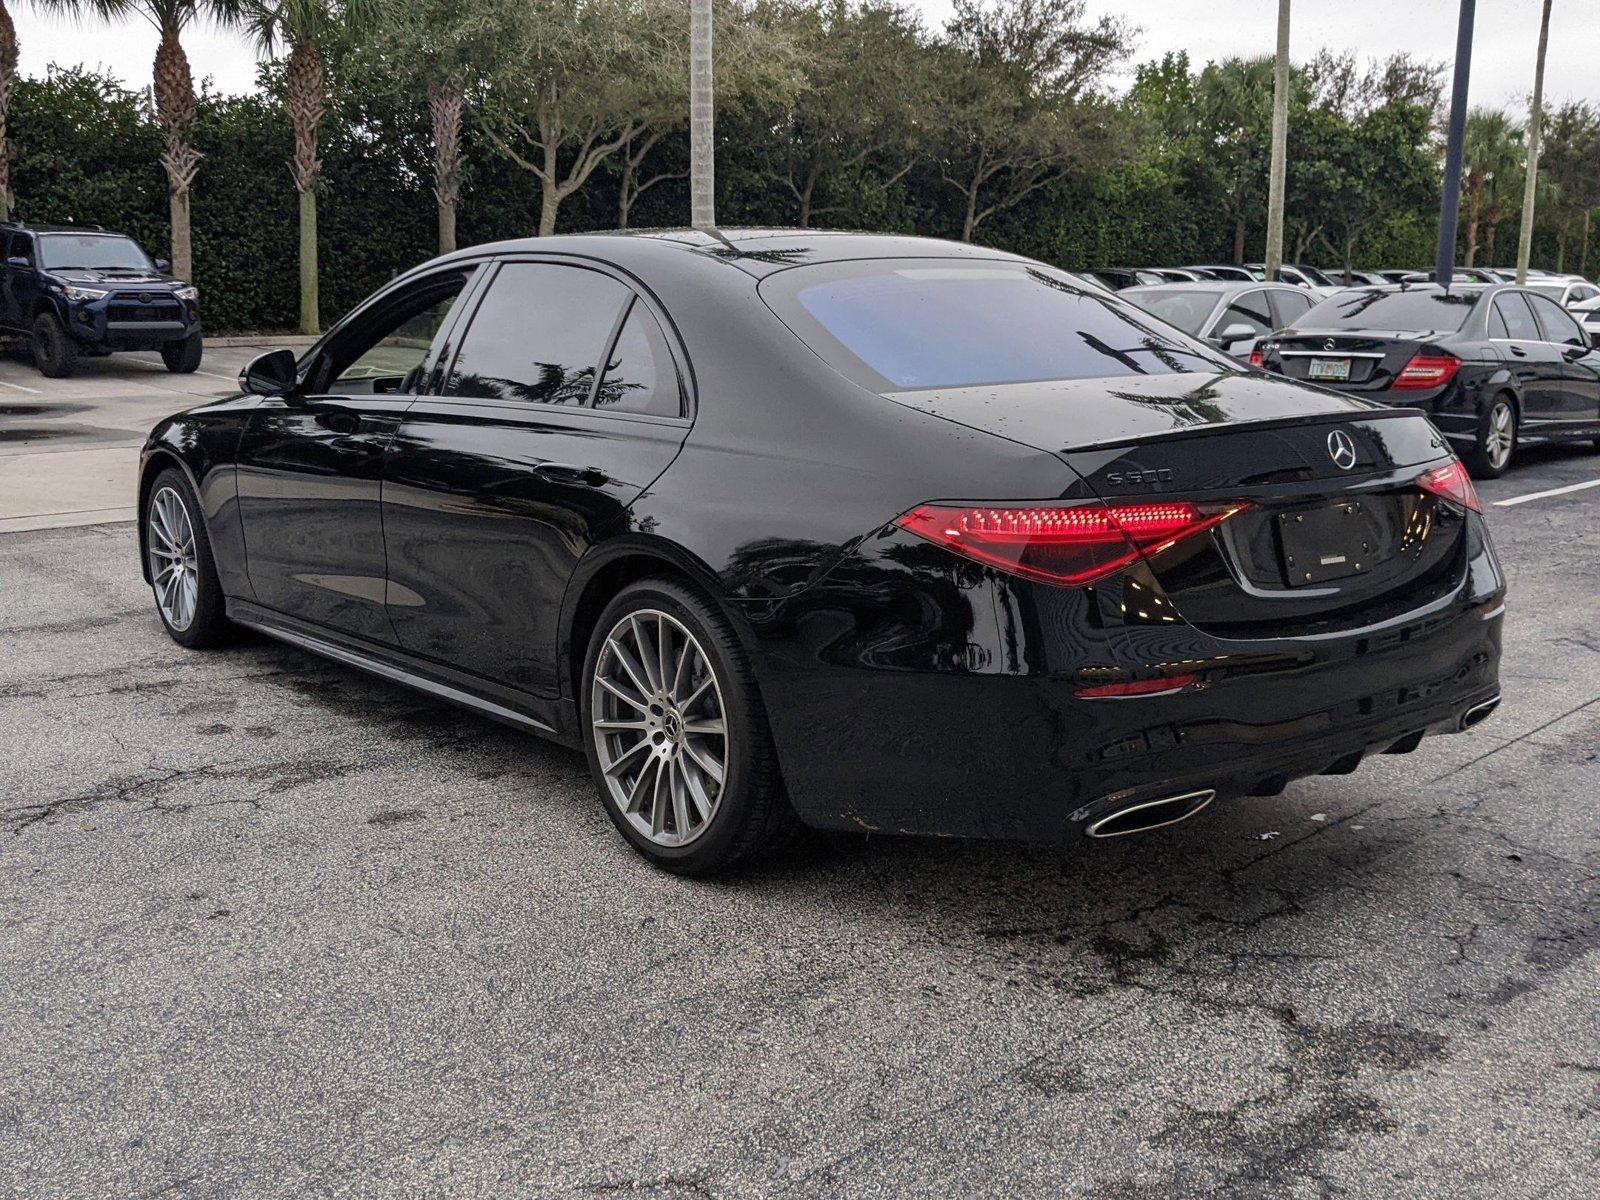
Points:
[[1329, 368]]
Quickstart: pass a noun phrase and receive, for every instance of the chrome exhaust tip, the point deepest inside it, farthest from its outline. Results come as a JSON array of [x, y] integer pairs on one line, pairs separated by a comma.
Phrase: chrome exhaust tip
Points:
[[1150, 814], [1479, 712]]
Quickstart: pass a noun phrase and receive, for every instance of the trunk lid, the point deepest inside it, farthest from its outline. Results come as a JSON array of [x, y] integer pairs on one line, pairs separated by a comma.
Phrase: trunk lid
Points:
[[1367, 361], [1331, 526]]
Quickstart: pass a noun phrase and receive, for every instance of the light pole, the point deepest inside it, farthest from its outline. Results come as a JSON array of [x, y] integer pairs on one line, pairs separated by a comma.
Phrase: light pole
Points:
[[1280, 145], [1444, 261], [1531, 187], [702, 151]]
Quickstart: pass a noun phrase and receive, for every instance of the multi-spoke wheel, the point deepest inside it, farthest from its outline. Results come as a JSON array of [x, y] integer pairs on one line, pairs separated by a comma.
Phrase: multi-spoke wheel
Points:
[[677, 735], [178, 555], [1496, 439]]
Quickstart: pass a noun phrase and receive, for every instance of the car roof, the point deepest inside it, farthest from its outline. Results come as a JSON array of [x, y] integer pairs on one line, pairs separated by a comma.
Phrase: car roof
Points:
[[1221, 287], [757, 251]]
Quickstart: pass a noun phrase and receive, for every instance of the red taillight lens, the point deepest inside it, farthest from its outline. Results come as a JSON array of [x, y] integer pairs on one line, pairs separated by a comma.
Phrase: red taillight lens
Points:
[[1070, 545], [1136, 687], [1427, 371], [1452, 482], [1257, 359]]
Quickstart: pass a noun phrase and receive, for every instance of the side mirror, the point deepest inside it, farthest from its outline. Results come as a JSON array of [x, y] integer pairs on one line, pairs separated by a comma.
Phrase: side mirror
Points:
[[1239, 332], [274, 373], [163, 265], [16, 260]]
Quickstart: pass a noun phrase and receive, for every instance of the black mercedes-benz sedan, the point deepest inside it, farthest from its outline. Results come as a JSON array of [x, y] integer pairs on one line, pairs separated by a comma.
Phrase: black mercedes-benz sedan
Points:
[[1491, 364], [858, 532]]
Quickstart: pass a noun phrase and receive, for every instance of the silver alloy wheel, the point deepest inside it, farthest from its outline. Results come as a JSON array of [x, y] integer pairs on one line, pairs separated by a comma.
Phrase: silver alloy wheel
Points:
[[660, 731], [174, 566], [1502, 431]]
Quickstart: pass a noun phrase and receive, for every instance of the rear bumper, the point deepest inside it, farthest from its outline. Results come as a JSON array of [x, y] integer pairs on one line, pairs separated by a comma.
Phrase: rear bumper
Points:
[[963, 720]]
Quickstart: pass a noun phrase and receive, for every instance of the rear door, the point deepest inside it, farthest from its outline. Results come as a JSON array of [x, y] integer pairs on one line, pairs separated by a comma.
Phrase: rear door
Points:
[[564, 401], [1578, 399], [1535, 362], [309, 466]]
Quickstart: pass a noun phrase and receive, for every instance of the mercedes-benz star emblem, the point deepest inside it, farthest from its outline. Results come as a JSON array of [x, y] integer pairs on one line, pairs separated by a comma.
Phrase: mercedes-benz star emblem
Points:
[[1342, 449], [1330, 344]]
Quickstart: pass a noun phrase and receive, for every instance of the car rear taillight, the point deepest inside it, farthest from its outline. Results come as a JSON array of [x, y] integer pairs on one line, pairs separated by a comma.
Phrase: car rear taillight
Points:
[[1427, 371], [1066, 544], [1257, 358], [1452, 482]]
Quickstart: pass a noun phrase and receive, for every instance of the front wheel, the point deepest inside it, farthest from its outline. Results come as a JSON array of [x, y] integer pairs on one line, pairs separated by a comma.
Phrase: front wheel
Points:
[[54, 351], [1495, 441], [182, 357], [677, 734], [183, 574]]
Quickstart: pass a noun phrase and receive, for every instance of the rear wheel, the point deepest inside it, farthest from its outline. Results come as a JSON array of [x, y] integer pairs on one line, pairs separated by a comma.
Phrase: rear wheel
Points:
[[183, 574], [54, 351], [677, 733], [182, 357], [1496, 439]]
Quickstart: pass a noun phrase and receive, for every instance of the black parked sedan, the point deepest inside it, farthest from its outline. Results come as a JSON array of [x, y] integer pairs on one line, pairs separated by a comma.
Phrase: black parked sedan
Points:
[[867, 533], [1490, 363]]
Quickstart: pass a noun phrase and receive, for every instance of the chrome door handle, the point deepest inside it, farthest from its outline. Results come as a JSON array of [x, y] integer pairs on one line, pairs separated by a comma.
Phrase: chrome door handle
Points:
[[566, 473]]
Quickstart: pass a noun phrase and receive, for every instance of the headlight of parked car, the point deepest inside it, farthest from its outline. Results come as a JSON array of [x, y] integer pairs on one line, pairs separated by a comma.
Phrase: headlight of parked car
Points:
[[187, 293], [82, 293]]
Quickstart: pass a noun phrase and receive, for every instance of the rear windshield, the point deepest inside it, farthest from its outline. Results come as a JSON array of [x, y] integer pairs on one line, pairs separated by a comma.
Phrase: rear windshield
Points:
[[897, 325], [1413, 311], [1187, 310]]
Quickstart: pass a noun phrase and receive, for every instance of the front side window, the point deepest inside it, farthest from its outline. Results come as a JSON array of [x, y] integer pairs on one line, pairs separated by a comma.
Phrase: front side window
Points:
[[1514, 318], [1288, 307], [896, 325], [538, 335], [384, 354], [1248, 308], [92, 252], [640, 375], [1557, 325]]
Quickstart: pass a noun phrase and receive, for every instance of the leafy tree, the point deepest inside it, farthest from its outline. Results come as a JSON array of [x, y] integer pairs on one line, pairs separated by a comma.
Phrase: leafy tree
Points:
[[8, 73], [567, 84], [1234, 114], [867, 83], [1570, 160], [1016, 108], [174, 93], [1491, 177]]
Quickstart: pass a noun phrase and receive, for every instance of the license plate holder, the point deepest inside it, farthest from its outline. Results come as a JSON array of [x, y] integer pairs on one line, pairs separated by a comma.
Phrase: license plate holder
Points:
[[1331, 541], [1336, 370]]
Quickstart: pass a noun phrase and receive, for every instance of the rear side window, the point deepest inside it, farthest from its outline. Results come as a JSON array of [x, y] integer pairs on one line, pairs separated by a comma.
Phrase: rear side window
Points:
[[1419, 311], [1187, 310], [538, 335], [897, 325], [1513, 320], [1557, 326], [640, 375]]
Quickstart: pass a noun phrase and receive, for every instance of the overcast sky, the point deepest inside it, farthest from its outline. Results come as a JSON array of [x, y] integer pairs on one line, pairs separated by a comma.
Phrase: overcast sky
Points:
[[1502, 71]]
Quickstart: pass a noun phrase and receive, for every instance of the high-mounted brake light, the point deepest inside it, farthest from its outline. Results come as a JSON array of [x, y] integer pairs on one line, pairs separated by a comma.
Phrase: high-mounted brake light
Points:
[[1427, 371], [1452, 482], [1069, 545]]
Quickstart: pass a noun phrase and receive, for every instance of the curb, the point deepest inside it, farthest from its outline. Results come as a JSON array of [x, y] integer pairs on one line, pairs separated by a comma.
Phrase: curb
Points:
[[264, 339]]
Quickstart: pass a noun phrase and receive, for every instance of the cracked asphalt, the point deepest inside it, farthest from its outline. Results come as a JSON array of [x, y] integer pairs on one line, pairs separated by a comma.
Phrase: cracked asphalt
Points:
[[269, 927]]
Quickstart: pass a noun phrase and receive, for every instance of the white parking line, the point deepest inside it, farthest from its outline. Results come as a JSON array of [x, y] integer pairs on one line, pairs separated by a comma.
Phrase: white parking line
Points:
[[1560, 491], [20, 388]]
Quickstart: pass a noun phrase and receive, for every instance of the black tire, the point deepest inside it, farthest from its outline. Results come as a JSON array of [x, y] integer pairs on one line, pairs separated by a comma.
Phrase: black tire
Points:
[[209, 626], [752, 815], [54, 351], [1485, 460], [182, 357]]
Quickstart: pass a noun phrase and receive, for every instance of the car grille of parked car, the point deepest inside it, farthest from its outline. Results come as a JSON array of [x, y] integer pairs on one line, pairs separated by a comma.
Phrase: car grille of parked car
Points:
[[143, 306]]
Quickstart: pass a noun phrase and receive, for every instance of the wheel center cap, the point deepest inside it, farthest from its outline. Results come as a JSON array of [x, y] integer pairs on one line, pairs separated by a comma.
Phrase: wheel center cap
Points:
[[672, 724]]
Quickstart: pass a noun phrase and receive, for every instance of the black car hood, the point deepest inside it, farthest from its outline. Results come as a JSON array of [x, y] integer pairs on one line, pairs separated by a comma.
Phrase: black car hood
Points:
[[153, 281], [1072, 414]]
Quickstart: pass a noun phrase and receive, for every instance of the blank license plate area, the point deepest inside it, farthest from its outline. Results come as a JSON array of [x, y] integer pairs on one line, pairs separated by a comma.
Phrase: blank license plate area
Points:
[[1329, 368], [1331, 541]]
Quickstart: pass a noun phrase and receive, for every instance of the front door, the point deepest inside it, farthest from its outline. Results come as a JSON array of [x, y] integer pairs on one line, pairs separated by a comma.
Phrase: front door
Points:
[[18, 285], [1578, 401], [563, 403], [1535, 363], [310, 465]]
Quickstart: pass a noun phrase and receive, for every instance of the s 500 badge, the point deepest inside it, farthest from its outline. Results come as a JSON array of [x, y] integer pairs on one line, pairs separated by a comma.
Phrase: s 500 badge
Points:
[[1155, 475]]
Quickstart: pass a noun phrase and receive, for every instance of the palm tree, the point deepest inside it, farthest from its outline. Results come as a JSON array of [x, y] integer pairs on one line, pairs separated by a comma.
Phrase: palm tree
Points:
[[304, 28], [173, 88], [1493, 154], [8, 73]]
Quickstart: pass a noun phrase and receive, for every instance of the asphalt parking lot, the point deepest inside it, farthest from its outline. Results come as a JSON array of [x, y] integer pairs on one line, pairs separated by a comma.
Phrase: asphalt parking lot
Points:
[[269, 927]]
